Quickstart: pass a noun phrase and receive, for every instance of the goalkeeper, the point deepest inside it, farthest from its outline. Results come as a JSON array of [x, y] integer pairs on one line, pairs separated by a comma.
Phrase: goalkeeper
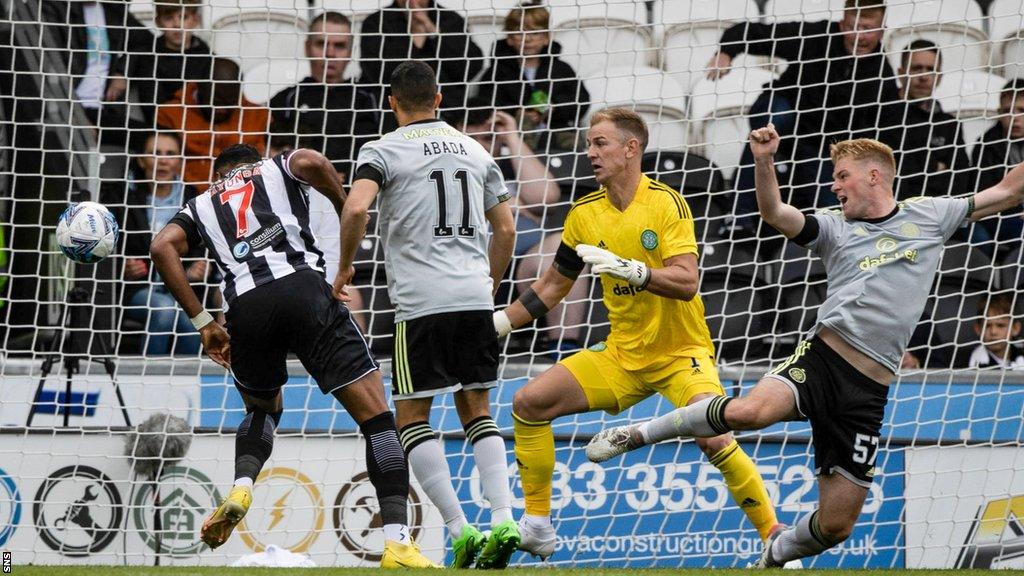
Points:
[[880, 256], [638, 235]]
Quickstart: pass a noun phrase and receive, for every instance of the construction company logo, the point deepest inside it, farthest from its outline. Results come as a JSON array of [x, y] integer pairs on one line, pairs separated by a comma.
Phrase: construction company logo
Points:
[[78, 511], [798, 375], [649, 239], [357, 521], [996, 539], [888, 252], [10, 507], [186, 497], [295, 512]]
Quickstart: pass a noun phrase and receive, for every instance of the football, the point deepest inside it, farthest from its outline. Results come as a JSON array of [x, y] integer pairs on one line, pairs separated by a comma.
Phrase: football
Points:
[[87, 232]]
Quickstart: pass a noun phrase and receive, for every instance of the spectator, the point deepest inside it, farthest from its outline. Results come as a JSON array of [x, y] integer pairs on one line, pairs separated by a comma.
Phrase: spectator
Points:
[[156, 74], [999, 149], [835, 85], [155, 193], [332, 115], [96, 34], [998, 328], [928, 142], [419, 30], [528, 79], [534, 190], [213, 115]]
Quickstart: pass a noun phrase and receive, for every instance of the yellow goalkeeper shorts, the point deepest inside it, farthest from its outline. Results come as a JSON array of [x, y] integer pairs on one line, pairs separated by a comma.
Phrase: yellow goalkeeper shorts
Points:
[[611, 388]]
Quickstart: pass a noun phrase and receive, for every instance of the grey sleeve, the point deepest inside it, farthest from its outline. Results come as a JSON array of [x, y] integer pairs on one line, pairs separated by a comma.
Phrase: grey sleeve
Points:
[[370, 156], [950, 213], [829, 227], [495, 190]]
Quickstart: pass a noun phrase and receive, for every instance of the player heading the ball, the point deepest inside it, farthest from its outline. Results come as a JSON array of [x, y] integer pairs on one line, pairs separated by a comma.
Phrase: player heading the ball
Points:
[[255, 220], [880, 258], [638, 234]]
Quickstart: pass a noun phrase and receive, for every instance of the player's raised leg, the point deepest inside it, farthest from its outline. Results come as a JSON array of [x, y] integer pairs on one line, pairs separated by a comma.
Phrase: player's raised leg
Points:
[[473, 406], [386, 466], [254, 442], [554, 393], [769, 402]]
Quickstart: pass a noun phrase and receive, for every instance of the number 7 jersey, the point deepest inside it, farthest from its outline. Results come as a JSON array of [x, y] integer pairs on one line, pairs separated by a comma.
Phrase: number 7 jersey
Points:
[[255, 223], [436, 183]]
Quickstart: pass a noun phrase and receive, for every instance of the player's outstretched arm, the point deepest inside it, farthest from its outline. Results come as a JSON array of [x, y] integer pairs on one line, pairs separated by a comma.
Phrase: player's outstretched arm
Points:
[[166, 251], [541, 296], [1009, 192], [764, 142], [354, 217], [316, 170], [503, 241]]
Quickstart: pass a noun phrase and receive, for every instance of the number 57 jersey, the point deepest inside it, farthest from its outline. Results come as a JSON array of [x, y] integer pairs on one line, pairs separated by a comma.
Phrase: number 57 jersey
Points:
[[436, 183]]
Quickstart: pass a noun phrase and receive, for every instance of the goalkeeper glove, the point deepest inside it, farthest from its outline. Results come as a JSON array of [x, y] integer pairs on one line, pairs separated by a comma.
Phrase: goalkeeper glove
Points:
[[502, 325], [604, 262]]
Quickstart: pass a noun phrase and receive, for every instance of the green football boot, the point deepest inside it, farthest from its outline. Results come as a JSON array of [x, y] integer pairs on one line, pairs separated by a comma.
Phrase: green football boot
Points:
[[466, 547], [503, 541]]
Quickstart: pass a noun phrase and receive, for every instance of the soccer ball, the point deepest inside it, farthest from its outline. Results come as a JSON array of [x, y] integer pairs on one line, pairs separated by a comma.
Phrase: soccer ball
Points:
[[87, 232]]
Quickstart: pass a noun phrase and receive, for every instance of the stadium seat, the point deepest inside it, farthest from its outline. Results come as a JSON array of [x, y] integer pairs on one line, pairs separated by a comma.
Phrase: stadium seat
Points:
[[807, 10], [965, 273], [651, 93], [217, 10], [973, 97], [261, 82], [689, 31], [733, 290], [599, 35], [1011, 271], [251, 38], [700, 183], [1006, 29], [956, 26], [717, 109]]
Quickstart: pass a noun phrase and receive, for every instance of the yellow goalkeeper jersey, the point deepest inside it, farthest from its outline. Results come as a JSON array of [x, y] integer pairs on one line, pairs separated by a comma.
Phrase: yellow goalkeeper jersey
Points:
[[647, 331]]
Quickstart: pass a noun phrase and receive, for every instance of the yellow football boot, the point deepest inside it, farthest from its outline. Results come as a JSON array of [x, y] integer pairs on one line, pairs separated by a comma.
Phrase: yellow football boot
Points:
[[222, 522], [402, 556]]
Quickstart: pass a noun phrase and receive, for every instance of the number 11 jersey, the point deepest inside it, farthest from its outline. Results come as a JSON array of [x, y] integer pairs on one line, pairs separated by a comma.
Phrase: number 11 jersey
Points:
[[436, 183]]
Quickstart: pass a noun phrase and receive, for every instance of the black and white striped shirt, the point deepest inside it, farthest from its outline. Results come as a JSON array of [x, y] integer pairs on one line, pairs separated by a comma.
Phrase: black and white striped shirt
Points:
[[255, 223]]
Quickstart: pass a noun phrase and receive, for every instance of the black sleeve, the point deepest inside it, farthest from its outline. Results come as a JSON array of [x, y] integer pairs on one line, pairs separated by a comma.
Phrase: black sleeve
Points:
[[784, 40], [568, 262], [192, 235], [809, 233], [369, 172]]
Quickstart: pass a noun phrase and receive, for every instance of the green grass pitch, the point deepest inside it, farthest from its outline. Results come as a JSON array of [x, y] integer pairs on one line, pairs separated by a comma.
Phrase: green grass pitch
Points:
[[217, 571]]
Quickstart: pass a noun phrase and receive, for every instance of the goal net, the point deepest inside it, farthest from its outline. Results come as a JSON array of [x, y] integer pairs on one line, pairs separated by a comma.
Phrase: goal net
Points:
[[126, 103]]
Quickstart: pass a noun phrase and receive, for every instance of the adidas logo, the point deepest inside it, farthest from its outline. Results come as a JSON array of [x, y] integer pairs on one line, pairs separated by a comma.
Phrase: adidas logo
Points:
[[749, 503], [520, 464], [601, 244]]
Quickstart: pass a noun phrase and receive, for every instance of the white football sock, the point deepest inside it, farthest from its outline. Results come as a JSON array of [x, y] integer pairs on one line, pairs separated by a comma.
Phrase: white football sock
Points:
[[430, 465], [490, 455]]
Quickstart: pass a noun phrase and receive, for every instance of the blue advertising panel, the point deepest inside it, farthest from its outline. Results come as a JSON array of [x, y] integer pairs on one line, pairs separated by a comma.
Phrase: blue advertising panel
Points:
[[667, 506]]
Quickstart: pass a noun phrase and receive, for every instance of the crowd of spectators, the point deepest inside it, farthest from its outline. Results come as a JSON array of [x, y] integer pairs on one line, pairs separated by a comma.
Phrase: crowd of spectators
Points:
[[522, 101]]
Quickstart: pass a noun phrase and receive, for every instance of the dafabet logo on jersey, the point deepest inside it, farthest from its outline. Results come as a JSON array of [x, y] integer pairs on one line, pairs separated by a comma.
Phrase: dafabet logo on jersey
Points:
[[996, 538], [294, 511], [186, 497]]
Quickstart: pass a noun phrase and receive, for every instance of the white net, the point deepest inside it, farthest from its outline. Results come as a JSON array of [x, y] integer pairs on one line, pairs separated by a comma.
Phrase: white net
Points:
[[114, 101]]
